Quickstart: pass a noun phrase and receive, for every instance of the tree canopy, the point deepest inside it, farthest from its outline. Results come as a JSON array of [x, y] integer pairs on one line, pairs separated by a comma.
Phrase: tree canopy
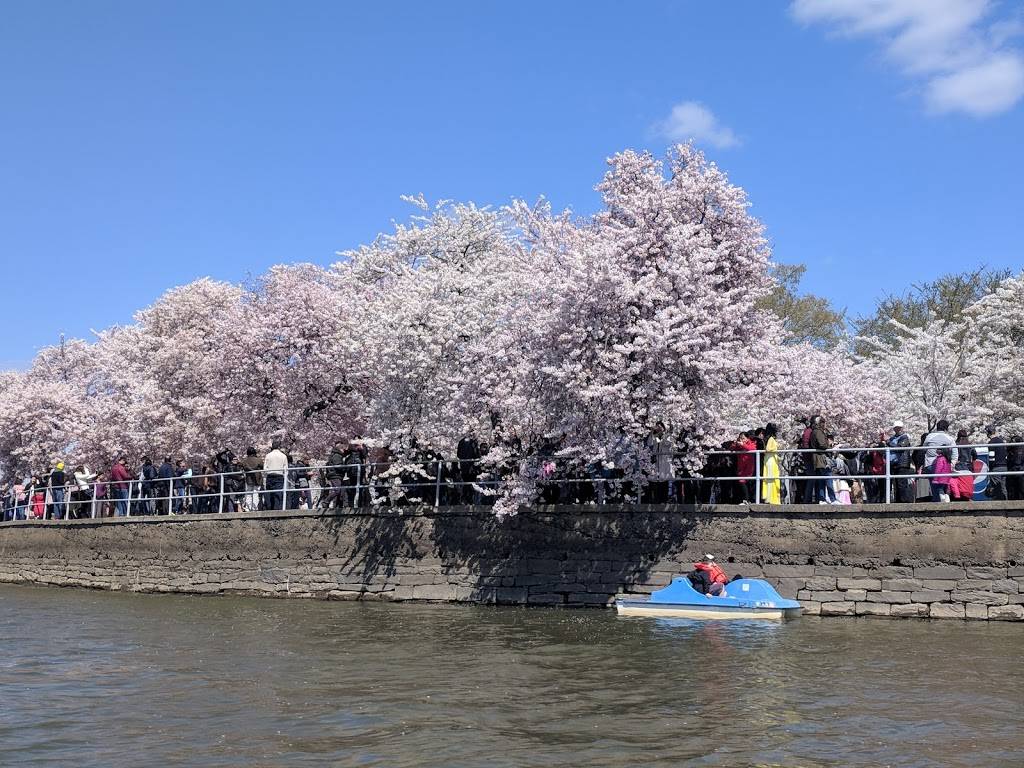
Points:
[[806, 318], [542, 334]]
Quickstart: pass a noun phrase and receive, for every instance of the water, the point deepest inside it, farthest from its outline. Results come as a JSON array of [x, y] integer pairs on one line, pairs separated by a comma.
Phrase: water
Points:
[[100, 679]]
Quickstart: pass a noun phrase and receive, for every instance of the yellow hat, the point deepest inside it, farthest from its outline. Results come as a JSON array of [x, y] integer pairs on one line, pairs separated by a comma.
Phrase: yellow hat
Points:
[[60, 465]]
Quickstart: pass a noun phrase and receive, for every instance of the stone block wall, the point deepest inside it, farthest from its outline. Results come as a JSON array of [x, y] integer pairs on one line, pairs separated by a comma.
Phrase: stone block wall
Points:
[[917, 561], [906, 591]]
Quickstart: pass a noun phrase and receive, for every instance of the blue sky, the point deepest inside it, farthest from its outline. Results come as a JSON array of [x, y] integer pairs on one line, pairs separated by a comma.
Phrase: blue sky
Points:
[[144, 145]]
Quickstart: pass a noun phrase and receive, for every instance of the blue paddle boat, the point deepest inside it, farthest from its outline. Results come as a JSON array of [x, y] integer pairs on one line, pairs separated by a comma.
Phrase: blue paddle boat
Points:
[[744, 599]]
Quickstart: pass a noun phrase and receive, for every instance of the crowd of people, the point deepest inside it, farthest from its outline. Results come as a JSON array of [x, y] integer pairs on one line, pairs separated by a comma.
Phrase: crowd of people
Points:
[[752, 467], [353, 474], [937, 468]]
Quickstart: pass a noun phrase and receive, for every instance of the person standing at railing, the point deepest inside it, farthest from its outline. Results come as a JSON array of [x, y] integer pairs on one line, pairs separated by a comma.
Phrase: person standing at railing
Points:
[[101, 490], [468, 468], [275, 465], [819, 444], [83, 493], [1015, 463], [234, 487], [307, 479], [872, 463], [20, 500], [221, 461], [937, 440], [744, 446], [660, 489], [771, 490], [6, 502], [997, 486], [204, 490], [36, 493], [900, 457], [354, 460], [334, 476], [148, 474], [182, 479], [942, 468], [298, 478], [839, 468], [56, 483], [120, 477], [165, 486], [807, 458], [253, 479], [961, 487], [922, 486]]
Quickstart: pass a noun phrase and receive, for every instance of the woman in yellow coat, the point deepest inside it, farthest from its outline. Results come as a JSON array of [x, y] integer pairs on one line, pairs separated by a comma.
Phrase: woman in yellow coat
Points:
[[771, 489]]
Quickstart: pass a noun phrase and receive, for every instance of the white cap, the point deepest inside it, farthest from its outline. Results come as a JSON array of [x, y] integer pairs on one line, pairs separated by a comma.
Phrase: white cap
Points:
[[709, 557], [897, 423]]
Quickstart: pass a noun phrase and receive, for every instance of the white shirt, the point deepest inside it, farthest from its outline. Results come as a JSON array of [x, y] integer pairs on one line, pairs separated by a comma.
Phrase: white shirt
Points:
[[84, 478], [276, 462]]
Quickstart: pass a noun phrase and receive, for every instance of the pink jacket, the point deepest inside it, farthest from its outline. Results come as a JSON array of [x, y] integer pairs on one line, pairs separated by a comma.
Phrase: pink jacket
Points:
[[943, 469]]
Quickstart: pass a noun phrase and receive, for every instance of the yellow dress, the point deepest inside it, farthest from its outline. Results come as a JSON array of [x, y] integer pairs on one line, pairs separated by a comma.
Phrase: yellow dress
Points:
[[771, 489]]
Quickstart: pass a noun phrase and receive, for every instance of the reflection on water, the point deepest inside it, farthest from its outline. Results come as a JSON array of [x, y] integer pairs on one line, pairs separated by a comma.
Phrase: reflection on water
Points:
[[99, 679]]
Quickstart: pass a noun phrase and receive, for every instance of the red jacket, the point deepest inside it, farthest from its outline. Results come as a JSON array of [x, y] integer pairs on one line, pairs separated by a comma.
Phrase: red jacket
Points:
[[119, 474], [745, 460]]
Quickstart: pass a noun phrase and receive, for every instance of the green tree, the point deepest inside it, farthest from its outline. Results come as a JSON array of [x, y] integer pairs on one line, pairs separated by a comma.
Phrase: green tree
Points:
[[945, 298], [805, 317]]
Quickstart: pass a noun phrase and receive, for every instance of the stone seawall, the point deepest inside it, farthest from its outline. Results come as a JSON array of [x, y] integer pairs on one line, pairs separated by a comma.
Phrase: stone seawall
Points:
[[939, 561]]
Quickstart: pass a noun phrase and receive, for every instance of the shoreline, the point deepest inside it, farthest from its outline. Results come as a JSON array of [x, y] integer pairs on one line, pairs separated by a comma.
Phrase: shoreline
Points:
[[961, 561]]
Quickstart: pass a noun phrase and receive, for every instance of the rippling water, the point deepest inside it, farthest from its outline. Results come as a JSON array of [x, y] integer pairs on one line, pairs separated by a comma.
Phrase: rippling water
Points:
[[100, 679]]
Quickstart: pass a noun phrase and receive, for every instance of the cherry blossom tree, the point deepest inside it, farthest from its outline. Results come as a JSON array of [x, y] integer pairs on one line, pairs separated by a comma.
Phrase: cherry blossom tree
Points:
[[924, 369], [45, 411], [552, 339], [995, 378], [432, 295], [639, 320], [807, 381]]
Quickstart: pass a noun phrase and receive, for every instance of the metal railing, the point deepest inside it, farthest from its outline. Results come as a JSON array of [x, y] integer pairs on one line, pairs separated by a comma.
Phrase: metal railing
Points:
[[434, 481], [889, 477]]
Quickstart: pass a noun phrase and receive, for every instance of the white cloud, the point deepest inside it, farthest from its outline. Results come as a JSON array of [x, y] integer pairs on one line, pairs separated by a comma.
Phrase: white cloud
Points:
[[967, 63], [691, 120], [986, 89]]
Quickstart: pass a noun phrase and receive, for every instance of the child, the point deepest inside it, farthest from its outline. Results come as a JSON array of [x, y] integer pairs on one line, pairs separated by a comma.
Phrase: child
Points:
[[942, 469]]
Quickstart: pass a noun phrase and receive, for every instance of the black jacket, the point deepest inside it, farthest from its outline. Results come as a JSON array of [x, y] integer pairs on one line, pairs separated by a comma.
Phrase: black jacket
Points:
[[998, 448], [335, 469], [700, 581]]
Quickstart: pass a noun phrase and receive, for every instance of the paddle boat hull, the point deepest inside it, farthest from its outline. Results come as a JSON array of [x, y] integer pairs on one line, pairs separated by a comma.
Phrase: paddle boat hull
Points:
[[744, 599]]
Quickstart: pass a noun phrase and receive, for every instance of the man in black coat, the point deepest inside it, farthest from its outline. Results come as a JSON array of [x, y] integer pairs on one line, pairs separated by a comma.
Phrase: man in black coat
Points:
[[165, 486]]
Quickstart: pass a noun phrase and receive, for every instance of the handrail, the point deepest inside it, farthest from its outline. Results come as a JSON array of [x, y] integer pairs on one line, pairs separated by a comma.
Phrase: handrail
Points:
[[327, 484]]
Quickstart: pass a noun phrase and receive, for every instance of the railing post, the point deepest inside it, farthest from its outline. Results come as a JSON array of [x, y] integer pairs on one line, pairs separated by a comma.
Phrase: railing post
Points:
[[220, 500], [757, 477], [359, 475], [128, 502], [888, 475], [437, 485], [284, 490]]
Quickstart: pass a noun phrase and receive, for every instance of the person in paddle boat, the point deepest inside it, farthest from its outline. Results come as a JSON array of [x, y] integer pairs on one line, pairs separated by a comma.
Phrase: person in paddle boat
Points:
[[709, 578]]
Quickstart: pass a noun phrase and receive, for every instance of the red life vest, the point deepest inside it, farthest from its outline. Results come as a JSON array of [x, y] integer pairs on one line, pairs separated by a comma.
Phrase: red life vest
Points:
[[714, 571]]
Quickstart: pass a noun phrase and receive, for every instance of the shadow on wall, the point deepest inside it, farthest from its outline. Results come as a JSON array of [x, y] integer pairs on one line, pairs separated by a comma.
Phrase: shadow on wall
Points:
[[558, 555], [540, 556]]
